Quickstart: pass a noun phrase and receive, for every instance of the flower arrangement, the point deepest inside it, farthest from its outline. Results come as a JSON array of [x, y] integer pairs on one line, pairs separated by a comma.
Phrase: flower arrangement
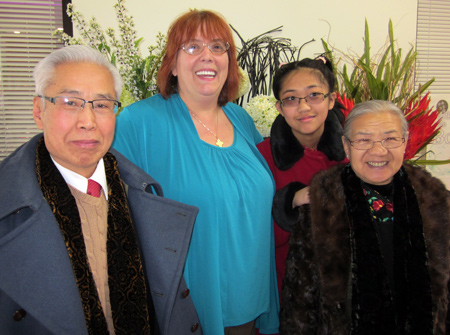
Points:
[[244, 85], [138, 73], [260, 56], [263, 112], [424, 125], [387, 75], [346, 102], [390, 76]]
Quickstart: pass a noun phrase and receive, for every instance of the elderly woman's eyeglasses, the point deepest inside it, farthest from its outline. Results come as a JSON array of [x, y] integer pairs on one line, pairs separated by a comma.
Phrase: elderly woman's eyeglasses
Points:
[[72, 104], [388, 143], [195, 47], [311, 99]]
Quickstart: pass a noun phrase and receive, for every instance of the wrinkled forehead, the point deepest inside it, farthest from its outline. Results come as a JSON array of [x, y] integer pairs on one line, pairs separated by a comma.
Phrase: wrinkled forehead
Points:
[[205, 31], [379, 122]]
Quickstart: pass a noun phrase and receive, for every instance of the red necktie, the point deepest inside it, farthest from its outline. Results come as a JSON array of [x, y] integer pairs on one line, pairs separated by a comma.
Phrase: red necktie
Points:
[[94, 188]]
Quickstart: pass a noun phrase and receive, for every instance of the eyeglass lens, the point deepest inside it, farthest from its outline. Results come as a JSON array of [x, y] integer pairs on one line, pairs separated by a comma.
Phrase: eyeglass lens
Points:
[[75, 104], [195, 47], [388, 143], [312, 99]]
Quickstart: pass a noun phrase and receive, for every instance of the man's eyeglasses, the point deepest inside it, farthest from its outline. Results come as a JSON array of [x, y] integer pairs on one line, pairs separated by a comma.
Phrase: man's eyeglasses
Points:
[[195, 47], [311, 99], [72, 104], [388, 143]]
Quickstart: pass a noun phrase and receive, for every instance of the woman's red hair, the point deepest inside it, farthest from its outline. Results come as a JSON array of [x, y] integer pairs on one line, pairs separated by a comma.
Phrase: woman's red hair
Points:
[[183, 29]]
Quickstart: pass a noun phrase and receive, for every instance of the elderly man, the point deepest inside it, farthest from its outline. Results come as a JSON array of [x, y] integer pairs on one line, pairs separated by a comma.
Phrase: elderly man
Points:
[[88, 245]]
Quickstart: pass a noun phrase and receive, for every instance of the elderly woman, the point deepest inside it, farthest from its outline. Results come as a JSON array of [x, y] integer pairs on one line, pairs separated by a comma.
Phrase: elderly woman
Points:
[[202, 149], [370, 254]]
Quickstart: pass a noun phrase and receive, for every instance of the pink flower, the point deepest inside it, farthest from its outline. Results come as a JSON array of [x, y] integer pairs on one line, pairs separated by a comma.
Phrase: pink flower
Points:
[[377, 205], [390, 207]]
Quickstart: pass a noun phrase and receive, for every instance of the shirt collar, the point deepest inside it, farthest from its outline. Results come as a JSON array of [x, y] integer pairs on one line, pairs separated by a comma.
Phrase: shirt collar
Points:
[[80, 182]]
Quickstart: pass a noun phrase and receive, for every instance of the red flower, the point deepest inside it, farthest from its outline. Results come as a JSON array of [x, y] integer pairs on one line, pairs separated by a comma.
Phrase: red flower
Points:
[[423, 125], [390, 207], [346, 102], [377, 205]]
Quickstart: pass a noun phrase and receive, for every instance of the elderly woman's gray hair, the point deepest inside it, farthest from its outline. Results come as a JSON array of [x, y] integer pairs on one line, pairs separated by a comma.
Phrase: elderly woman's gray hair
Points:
[[374, 107], [45, 69]]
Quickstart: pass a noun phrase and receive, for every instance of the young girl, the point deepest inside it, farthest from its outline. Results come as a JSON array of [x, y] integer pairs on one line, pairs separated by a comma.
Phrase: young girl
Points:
[[305, 139]]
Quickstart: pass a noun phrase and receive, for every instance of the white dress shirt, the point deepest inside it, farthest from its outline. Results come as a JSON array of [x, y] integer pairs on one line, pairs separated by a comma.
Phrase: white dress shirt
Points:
[[80, 182]]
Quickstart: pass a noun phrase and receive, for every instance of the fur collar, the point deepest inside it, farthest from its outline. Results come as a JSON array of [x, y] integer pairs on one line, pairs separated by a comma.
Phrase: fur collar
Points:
[[331, 243], [286, 149]]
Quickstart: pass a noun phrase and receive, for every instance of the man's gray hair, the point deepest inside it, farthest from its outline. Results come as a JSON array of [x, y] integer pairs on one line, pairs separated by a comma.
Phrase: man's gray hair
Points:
[[45, 69]]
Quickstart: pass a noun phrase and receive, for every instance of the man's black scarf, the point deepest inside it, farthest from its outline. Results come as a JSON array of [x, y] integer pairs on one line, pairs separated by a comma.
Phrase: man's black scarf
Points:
[[128, 294], [377, 308]]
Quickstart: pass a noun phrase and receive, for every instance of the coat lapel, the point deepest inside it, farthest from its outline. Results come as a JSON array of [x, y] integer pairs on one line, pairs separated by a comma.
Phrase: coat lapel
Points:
[[163, 229], [330, 234], [38, 276]]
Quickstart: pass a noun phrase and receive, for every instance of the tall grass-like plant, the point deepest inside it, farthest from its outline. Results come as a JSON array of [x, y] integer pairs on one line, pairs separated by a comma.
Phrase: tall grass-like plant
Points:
[[389, 75], [260, 57]]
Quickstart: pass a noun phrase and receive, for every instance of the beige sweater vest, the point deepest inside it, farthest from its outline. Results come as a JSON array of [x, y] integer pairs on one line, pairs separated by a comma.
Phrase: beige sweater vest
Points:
[[94, 223]]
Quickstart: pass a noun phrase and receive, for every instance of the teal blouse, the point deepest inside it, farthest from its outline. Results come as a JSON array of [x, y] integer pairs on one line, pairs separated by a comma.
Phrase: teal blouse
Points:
[[230, 267]]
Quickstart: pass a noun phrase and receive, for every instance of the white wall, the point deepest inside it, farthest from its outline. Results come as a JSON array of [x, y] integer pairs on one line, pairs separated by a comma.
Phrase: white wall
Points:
[[340, 22]]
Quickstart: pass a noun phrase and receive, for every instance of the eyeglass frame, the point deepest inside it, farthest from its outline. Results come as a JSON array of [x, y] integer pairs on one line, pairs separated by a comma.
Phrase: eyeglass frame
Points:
[[381, 142], [227, 45], [117, 104], [325, 95]]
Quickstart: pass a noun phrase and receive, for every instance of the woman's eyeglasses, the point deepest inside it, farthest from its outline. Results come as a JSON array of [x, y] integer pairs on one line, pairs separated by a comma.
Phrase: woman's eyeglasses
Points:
[[195, 47], [366, 144]]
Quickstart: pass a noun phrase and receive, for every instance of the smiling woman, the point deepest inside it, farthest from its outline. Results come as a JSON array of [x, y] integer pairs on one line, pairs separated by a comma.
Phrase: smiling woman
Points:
[[370, 254], [202, 149], [375, 143]]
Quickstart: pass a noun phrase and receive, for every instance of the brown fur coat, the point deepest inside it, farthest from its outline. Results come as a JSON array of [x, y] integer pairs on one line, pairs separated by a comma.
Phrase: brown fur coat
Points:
[[316, 295]]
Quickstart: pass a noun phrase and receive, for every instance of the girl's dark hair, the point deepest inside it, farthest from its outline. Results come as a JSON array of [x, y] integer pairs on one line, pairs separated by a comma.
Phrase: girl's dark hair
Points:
[[321, 64]]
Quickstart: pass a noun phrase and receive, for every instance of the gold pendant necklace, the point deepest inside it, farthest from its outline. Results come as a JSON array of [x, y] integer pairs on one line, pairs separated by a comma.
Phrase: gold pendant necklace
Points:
[[219, 143]]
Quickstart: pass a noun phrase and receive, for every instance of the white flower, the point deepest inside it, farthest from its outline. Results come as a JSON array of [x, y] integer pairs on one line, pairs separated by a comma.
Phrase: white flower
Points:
[[263, 111], [244, 85], [138, 73]]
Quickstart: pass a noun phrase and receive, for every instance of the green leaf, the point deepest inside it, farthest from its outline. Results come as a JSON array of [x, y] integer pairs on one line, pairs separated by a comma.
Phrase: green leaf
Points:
[[422, 88], [138, 42], [430, 162], [367, 43], [391, 39], [381, 65]]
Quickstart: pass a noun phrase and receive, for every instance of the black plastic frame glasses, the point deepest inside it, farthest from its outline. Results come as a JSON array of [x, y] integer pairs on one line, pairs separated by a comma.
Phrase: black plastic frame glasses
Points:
[[311, 99], [387, 143], [74, 104], [196, 47]]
